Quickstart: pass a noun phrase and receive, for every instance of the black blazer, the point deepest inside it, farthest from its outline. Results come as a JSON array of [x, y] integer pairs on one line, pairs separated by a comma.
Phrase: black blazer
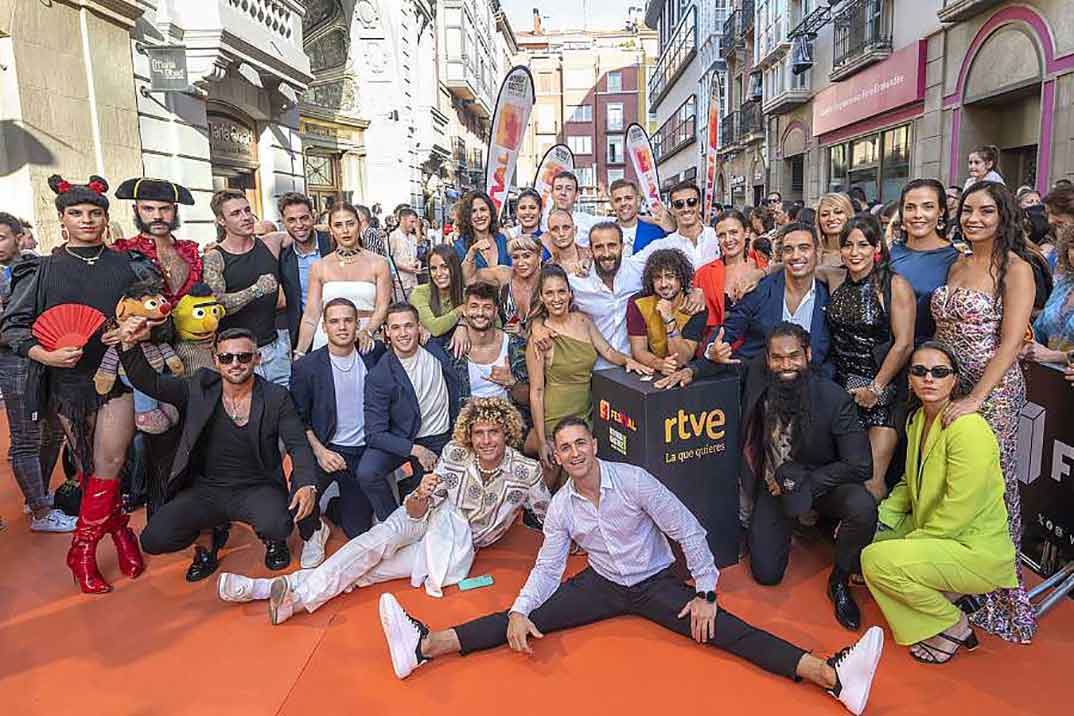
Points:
[[835, 449], [272, 414], [392, 414], [314, 389], [292, 289]]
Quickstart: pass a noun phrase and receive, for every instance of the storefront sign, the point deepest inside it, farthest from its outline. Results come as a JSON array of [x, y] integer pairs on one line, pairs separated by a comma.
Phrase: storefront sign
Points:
[[167, 69], [881, 88], [231, 142]]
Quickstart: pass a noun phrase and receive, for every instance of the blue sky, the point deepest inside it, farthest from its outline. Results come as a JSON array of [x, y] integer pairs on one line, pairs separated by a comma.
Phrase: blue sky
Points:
[[567, 14]]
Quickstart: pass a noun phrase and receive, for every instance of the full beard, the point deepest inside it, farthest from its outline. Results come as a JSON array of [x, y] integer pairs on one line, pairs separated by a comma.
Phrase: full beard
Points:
[[788, 403]]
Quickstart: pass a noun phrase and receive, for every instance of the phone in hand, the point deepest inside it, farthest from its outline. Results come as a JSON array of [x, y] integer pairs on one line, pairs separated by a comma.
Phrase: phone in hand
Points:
[[485, 580]]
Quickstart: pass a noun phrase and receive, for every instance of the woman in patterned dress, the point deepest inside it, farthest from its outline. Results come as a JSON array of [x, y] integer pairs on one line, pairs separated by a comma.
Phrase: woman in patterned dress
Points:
[[982, 313]]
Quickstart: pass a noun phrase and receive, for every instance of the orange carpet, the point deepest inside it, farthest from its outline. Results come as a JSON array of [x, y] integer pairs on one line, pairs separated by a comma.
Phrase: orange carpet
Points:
[[160, 646]]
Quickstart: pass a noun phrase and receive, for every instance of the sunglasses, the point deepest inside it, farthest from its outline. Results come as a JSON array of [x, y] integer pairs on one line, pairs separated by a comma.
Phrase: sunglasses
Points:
[[772, 201], [938, 372], [227, 358], [682, 203]]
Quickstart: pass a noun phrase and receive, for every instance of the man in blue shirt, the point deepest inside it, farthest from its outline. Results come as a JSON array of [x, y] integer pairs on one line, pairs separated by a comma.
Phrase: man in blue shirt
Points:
[[307, 246]]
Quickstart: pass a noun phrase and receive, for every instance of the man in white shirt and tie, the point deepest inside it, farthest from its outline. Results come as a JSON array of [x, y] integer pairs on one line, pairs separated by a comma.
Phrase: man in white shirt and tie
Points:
[[619, 514]]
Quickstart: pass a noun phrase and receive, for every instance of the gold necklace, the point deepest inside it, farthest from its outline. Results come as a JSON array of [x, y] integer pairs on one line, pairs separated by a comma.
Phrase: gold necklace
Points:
[[347, 256], [88, 261]]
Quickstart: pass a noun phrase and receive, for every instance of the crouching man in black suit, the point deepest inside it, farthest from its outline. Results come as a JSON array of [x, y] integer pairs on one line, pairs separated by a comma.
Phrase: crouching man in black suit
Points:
[[228, 465], [803, 449]]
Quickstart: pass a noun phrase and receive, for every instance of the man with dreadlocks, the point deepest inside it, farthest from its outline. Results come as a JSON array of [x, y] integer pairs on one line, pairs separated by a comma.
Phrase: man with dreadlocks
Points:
[[803, 449], [480, 474], [663, 335]]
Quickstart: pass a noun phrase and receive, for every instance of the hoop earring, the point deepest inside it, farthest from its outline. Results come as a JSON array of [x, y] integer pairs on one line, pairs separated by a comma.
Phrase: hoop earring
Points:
[[64, 234]]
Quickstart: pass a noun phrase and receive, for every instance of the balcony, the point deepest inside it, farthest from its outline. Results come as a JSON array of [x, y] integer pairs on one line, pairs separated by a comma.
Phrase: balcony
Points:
[[730, 31], [727, 130], [862, 36], [678, 132], [962, 10], [782, 89], [676, 55], [750, 123], [260, 37], [771, 41], [746, 10]]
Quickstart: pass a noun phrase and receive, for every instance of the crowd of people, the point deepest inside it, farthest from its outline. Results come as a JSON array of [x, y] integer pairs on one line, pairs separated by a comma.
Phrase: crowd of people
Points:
[[430, 387]]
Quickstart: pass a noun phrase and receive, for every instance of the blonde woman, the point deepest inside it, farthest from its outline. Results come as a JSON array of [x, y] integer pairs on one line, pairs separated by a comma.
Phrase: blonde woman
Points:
[[833, 213]]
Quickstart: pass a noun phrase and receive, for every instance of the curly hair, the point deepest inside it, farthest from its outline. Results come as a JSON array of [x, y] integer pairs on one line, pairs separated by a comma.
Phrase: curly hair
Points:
[[466, 208], [1063, 243], [670, 260], [488, 410], [1010, 234]]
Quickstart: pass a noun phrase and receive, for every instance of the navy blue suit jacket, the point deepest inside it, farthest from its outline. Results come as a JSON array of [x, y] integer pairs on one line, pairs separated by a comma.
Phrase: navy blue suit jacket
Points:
[[762, 308], [314, 390], [646, 234], [392, 414], [292, 290]]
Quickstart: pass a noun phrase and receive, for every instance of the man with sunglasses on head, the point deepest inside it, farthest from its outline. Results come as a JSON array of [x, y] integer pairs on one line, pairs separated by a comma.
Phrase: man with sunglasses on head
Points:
[[228, 465]]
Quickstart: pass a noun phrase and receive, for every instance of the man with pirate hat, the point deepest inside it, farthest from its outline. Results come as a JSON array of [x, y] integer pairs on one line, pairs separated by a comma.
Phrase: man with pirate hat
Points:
[[156, 214]]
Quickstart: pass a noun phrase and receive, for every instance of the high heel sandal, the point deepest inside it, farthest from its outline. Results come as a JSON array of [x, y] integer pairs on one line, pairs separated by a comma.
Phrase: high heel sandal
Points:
[[934, 655]]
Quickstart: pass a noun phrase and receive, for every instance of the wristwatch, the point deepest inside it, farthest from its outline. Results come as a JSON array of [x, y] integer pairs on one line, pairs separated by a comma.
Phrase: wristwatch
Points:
[[709, 597]]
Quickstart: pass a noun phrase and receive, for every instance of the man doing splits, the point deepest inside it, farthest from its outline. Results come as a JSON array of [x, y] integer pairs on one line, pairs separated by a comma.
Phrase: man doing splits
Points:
[[480, 474], [619, 514]]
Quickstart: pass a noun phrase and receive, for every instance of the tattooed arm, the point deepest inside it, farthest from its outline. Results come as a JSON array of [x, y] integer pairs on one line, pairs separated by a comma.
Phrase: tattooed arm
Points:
[[213, 274]]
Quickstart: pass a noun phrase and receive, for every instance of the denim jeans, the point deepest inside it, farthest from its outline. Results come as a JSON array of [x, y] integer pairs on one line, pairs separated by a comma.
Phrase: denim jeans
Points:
[[275, 364]]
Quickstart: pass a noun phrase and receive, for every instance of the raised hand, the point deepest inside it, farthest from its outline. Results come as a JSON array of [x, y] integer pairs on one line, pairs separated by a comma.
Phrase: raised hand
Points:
[[719, 351]]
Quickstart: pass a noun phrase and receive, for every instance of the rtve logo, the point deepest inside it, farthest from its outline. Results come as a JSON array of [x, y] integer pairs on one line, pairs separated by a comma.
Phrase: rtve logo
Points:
[[1031, 447]]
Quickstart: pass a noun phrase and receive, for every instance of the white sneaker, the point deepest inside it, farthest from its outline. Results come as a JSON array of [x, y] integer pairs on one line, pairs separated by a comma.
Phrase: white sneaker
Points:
[[404, 634], [232, 587], [313, 549], [855, 667], [54, 521], [281, 604]]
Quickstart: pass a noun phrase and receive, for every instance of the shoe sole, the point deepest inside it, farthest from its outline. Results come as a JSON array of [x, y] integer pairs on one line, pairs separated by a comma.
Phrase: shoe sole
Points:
[[872, 668], [276, 597], [324, 541], [390, 611], [223, 593]]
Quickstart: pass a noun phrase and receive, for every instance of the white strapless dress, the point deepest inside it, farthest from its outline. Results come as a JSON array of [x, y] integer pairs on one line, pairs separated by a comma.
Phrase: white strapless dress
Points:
[[362, 293]]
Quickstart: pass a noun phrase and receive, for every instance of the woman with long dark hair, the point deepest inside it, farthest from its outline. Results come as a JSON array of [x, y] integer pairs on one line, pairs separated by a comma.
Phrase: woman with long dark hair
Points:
[[440, 301], [480, 241], [943, 529], [921, 252], [560, 376], [871, 321], [982, 313]]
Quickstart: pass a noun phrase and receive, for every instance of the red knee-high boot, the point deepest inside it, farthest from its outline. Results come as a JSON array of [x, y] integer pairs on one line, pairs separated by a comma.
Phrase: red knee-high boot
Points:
[[128, 554], [93, 516]]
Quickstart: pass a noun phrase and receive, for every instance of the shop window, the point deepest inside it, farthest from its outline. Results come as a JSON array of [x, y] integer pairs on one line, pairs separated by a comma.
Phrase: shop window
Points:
[[837, 168], [896, 165], [797, 173], [878, 163]]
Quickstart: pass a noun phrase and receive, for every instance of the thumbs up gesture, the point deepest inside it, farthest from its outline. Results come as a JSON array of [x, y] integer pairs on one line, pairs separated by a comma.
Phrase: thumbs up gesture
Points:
[[719, 351]]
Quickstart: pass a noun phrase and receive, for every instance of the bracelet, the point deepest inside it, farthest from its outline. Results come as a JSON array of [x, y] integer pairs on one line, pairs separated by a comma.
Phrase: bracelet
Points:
[[672, 334]]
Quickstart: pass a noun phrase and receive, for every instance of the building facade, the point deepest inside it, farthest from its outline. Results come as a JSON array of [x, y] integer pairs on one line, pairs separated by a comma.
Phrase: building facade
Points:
[[67, 102], [742, 167], [236, 125], [591, 85]]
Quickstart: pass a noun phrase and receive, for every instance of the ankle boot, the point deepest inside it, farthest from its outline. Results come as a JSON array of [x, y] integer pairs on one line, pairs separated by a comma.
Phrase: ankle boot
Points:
[[96, 510], [128, 554]]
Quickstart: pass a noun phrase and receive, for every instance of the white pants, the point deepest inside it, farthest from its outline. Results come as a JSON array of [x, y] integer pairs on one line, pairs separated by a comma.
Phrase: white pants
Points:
[[387, 550]]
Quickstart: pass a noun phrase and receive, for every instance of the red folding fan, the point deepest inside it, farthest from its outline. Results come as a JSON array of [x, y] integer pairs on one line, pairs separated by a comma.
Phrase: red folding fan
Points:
[[68, 325]]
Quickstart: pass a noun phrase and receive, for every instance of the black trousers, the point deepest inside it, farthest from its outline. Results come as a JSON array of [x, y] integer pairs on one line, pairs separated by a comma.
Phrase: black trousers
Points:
[[770, 530], [355, 511], [376, 466], [588, 597], [178, 522]]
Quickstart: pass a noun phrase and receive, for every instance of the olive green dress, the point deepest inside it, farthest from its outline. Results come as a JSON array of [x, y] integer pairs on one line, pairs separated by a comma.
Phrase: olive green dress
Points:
[[567, 381]]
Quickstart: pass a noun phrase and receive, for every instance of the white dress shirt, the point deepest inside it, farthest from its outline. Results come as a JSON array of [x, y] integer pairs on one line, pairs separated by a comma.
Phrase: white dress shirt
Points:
[[606, 307], [705, 250], [623, 536], [804, 315]]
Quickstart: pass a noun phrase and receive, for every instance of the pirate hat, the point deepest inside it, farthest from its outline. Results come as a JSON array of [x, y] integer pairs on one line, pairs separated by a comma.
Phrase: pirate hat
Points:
[[142, 188]]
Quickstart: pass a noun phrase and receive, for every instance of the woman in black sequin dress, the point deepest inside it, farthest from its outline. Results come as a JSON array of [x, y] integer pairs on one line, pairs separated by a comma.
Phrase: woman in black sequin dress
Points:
[[871, 321]]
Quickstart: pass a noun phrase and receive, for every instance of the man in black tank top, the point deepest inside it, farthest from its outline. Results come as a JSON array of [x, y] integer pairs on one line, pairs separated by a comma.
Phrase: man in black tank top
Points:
[[244, 273]]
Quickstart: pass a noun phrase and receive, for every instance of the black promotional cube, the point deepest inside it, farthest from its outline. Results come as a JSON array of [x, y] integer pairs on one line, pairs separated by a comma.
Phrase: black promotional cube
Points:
[[688, 438]]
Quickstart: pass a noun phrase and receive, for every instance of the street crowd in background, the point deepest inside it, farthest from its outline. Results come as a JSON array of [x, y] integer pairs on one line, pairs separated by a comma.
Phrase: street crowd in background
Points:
[[431, 383]]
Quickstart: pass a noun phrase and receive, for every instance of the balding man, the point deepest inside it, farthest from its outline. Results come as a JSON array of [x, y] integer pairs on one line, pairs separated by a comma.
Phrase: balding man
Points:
[[564, 247]]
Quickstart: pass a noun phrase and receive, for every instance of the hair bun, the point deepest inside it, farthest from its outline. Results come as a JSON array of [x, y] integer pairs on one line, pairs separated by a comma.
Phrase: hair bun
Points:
[[58, 184]]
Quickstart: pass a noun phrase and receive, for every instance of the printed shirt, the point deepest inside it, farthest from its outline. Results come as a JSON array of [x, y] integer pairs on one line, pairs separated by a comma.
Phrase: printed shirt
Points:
[[187, 250], [490, 507]]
